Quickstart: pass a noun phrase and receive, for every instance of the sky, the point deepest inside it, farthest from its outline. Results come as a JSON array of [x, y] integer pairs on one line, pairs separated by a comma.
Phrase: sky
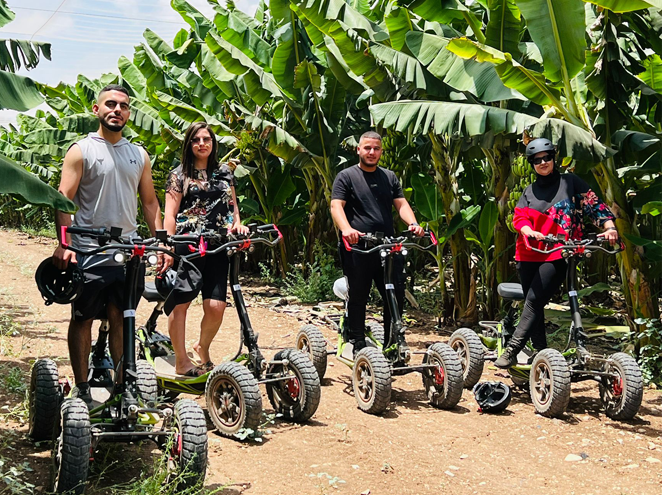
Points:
[[89, 36]]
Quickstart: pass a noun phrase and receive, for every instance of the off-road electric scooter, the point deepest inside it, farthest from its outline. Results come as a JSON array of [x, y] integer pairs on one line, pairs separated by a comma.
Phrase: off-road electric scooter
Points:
[[549, 373], [231, 389], [388, 354], [121, 410]]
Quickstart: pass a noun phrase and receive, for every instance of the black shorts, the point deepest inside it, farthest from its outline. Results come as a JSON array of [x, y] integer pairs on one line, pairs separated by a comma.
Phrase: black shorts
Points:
[[104, 284], [214, 270]]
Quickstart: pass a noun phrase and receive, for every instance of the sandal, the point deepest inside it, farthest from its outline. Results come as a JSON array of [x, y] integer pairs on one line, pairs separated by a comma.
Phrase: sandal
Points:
[[195, 372], [208, 366]]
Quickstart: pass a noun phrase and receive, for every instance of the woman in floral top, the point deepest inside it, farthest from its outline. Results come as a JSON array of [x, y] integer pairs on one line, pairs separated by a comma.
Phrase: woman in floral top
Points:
[[200, 196], [554, 204]]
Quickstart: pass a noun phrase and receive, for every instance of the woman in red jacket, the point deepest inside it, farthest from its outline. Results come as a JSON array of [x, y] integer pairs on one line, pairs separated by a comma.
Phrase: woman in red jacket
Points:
[[554, 204]]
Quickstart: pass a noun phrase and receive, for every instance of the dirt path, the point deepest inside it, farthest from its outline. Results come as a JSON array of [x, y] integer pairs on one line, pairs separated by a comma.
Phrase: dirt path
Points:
[[412, 449]]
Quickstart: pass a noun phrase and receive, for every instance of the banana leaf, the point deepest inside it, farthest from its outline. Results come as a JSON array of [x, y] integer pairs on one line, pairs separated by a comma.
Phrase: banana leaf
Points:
[[18, 92], [26, 187]]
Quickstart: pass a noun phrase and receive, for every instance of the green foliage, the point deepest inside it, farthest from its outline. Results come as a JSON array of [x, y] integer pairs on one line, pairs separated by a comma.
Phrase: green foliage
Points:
[[312, 283], [650, 352]]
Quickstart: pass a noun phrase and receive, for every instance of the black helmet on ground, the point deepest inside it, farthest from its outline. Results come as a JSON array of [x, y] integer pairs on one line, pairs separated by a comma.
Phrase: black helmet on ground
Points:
[[538, 146], [165, 282], [59, 286], [492, 397]]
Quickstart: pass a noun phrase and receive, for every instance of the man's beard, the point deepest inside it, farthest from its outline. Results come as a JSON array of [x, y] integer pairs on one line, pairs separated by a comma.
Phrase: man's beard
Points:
[[111, 127], [363, 162]]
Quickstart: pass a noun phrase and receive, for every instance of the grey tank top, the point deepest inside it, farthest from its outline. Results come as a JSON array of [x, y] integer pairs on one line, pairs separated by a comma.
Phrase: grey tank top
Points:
[[107, 195]]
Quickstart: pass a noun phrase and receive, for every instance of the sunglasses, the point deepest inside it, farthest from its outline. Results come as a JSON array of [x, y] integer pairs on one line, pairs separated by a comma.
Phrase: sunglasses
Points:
[[205, 140], [542, 159]]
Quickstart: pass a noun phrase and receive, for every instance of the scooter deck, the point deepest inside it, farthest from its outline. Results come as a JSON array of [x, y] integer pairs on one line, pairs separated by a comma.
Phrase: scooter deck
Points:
[[167, 378], [99, 396]]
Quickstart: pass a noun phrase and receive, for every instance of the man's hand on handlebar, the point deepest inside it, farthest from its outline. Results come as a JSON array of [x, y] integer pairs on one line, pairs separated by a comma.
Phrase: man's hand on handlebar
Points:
[[352, 235], [62, 257], [610, 235], [417, 230]]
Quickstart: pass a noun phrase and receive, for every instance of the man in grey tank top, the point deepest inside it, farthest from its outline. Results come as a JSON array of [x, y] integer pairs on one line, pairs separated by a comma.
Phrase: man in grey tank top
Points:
[[103, 174]]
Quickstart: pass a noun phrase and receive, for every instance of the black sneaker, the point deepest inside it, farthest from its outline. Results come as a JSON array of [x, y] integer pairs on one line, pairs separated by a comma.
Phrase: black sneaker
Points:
[[82, 391], [508, 359], [357, 345]]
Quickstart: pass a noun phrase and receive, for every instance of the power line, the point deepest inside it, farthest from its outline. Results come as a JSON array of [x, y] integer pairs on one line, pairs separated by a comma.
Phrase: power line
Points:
[[102, 16], [47, 20]]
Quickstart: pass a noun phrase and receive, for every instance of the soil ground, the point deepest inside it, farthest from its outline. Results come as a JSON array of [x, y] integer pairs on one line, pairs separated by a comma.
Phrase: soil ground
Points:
[[411, 449]]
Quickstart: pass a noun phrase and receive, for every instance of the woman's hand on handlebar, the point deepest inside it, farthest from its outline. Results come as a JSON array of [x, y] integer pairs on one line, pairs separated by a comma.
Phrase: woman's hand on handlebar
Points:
[[610, 235], [62, 257], [529, 232], [417, 230], [240, 229], [352, 235]]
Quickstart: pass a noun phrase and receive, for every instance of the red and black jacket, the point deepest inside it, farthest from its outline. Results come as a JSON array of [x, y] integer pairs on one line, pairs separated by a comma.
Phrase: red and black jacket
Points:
[[556, 204]]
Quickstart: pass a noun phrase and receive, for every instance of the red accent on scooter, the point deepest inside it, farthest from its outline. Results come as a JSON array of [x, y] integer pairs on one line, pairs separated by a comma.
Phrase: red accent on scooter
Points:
[[280, 236], [63, 236], [138, 250], [346, 243], [433, 238], [293, 387], [245, 245], [618, 386], [203, 247], [439, 375], [397, 248]]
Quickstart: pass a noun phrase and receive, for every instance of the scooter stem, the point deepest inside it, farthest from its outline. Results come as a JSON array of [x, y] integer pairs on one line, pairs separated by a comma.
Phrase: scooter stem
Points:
[[247, 334], [571, 282], [392, 302], [129, 327]]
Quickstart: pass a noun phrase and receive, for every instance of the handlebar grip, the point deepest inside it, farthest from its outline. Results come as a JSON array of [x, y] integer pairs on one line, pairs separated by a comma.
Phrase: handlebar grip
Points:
[[184, 238], [86, 231], [346, 243]]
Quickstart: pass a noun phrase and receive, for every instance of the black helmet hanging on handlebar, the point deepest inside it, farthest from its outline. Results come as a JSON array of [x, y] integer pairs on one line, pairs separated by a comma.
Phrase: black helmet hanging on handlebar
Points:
[[492, 397], [165, 282], [538, 146], [59, 286]]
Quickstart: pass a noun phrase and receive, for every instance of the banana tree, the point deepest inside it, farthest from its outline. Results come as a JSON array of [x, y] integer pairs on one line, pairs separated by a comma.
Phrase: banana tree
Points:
[[558, 29]]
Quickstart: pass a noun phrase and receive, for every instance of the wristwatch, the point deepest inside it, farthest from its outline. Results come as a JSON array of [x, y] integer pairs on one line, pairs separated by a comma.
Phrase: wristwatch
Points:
[[414, 224]]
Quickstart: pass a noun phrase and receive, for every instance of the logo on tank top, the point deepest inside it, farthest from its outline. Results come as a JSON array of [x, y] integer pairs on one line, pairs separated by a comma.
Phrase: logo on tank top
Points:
[[134, 162]]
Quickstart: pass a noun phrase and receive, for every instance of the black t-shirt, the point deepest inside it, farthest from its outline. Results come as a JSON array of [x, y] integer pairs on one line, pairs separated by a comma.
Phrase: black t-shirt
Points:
[[368, 198]]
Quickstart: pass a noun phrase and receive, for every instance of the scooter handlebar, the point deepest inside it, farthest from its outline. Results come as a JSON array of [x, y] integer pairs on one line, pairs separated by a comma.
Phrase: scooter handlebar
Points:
[[399, 242], [570, 245]]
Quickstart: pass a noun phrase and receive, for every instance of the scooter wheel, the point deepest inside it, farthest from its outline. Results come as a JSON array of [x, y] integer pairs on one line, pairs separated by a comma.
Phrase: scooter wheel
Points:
[[190, 444], [443, 384], [146, 383], [377, 331], [470, 349], [310, 341], [72, 441], [297, 398], [233, 399], [371, 380], [622, 394], [549, 383], [44, 399]]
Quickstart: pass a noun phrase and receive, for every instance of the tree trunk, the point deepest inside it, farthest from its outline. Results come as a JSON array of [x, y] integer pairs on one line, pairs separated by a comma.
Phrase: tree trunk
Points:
[[503, 238], [444, 163], [636, 285]]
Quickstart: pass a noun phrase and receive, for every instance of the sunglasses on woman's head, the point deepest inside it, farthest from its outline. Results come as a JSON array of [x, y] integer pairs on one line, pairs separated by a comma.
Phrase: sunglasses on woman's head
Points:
[[543, 159]]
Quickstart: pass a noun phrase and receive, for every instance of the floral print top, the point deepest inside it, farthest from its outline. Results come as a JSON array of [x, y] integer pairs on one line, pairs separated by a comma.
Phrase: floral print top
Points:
[[563, 206], [206, 203]]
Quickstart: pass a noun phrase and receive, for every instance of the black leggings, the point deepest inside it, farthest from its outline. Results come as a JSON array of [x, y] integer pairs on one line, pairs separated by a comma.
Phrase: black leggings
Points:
[[540, 281], [361, 270]]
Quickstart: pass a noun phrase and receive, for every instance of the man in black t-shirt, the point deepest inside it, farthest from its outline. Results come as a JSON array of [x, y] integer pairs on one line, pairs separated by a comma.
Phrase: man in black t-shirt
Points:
[[362, 202]]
